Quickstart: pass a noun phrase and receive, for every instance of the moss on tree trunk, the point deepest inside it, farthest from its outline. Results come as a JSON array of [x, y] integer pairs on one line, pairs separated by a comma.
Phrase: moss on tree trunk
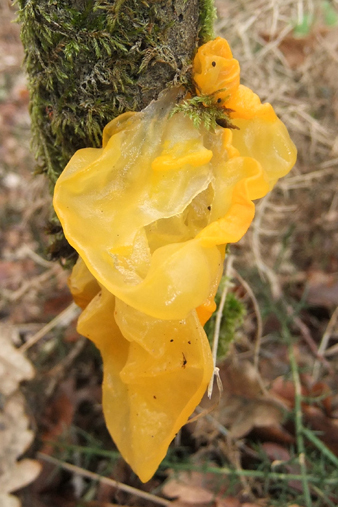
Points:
[[91, 60]]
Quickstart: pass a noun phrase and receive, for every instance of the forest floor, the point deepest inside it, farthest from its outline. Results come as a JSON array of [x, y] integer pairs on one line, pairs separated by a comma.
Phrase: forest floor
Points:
[[273, 438]]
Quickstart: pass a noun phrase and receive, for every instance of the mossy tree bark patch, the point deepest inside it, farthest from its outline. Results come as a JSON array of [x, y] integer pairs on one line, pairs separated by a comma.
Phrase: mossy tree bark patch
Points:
[[90, 60]]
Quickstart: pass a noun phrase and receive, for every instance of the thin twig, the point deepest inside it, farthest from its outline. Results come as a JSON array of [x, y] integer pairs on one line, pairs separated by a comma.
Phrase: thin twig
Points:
[[263, 269], [104, 480], [66, 315], [332, 351], [56, 373], [307, 337], [28, 252], [259, 330], [34, 282], [324, 343], [226, 433], [219, 315]]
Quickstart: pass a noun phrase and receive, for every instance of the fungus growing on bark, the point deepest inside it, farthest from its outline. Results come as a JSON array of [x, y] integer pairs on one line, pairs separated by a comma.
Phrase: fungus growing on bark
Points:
[[150, 214]]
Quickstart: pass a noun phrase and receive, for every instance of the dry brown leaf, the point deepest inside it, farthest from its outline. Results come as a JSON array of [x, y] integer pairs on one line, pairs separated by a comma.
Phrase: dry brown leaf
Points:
[[96, 503], [322, 289], [15, 438], [15, 435], [9, 500], [179, 503], [242, 406], [14, 367], [188, 488], [20, 475], [229, 501], [296, 50], [196, 489], [246, 415], [276, 452]]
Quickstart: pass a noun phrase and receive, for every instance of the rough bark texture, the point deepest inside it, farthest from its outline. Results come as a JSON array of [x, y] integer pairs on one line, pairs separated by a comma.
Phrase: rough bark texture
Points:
[[91, 60]]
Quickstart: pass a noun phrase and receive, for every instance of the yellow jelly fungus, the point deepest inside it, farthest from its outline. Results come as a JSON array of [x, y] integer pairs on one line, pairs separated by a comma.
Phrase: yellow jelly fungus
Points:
[[150, 214], [155, 373], [217, 72], [215, 69]]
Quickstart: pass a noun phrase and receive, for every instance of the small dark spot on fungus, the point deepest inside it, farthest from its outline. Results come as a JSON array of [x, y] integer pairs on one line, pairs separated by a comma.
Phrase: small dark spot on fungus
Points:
[[189, 342], [219, 101], [213, 64], [184, 361], [154, 397], [209, 208], [171, 340]]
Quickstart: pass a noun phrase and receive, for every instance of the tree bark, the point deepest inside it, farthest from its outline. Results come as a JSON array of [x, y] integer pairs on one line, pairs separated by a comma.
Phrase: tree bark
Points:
[[90, 60]]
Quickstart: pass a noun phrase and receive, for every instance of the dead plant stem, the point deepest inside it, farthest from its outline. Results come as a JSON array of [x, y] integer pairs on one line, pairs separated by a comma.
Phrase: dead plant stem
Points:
[[104, 480], [324, 343], [219, 316], [264, 270], [259, 330], [69, 313]]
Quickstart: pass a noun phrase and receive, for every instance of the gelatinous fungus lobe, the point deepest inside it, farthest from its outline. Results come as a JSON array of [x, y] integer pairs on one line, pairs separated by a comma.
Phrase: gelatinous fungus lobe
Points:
[[150, 214]]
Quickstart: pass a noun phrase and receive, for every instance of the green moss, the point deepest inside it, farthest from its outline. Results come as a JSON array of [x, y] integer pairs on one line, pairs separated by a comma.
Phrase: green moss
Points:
[[90, 60], [232, 318], [206, 110], [206, 21]]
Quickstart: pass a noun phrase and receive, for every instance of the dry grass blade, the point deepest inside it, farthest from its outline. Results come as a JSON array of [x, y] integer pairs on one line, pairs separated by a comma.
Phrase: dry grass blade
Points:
[[66, 315], [259, 329], [29, 284], [219, 316], [105, 480], [324, 343]]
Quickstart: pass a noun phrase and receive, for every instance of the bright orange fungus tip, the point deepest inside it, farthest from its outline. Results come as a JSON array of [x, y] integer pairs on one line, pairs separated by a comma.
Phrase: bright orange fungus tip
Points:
[[150, 214]]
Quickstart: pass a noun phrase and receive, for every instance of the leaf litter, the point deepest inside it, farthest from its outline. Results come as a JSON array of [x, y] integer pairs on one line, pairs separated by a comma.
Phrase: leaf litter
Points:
[[15, 433]]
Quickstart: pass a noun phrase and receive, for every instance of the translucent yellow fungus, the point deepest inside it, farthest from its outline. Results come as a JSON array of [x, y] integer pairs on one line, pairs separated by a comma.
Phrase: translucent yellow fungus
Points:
[[215, 69], [155, 373], [150, 214]]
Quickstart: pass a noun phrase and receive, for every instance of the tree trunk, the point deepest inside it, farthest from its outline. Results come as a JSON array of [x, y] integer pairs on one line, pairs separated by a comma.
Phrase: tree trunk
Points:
[[90, 60]]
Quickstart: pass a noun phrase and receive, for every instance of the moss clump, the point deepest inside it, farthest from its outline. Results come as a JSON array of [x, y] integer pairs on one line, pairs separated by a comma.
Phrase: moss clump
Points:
[[205, 110], [91, 60], [206, 21], [232, 318]]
